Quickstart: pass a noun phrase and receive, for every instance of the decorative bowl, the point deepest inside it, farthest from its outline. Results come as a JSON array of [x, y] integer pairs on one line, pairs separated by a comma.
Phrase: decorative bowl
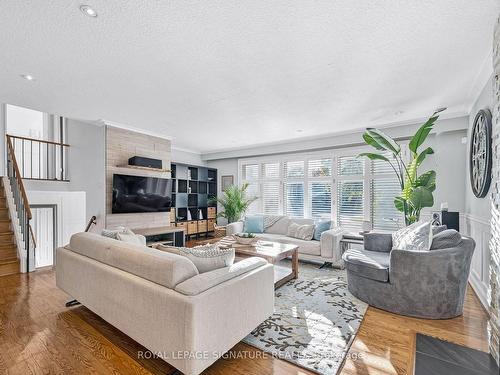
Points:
[[245, 238]]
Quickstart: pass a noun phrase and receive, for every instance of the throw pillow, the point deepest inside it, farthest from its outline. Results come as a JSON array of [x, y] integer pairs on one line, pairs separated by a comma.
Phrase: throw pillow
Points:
[[320, 228], [128, 236], [417, 236], [438, 229], [446, 239], [254, 224], [112, 233], [302, 232], [206, 258]]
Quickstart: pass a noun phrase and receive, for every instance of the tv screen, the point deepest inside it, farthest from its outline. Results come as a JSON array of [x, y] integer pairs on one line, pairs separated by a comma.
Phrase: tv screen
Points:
[[141, 194]]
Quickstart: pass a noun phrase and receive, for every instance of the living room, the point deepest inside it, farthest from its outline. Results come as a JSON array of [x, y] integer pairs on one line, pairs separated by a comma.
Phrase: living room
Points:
[[258, 188]]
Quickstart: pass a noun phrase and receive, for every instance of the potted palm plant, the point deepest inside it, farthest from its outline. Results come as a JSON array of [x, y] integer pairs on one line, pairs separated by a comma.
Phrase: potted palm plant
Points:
[[234, 202], [416, 189]]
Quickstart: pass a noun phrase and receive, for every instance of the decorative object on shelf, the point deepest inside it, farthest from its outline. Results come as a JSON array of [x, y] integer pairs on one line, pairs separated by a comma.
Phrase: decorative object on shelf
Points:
[[226, 181], [189, 215], [416, 191], [444, 206], [481, 154], [200, 215], [234, 202], [141, 161], [436, 219], [245, 238]]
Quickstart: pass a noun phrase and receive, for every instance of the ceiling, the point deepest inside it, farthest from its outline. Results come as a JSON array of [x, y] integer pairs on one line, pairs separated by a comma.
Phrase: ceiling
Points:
[[216, 75]]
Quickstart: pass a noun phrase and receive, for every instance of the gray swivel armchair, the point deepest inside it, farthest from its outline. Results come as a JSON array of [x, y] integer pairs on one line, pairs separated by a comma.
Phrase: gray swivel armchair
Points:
[[423, 284]]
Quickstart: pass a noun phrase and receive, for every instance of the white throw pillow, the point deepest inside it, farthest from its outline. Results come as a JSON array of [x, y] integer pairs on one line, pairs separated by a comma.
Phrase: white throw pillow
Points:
[[417, 236], [302, 232], [112, 233], [205, 258], [128, 236]]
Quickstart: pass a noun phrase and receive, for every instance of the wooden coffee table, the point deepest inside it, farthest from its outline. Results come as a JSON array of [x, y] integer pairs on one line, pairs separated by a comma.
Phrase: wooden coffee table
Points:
[[273, 252]]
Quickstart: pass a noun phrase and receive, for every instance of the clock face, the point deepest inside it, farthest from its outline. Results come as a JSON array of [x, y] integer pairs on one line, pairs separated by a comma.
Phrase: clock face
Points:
[[480, 156]]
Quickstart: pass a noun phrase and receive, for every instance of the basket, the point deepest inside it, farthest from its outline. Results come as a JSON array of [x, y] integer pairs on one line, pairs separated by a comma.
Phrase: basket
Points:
[[219, 231]]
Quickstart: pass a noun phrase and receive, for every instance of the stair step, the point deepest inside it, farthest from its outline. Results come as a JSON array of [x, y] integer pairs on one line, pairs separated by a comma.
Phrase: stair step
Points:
[[5, 226], [9, 268], [8, 251], [7, 238]]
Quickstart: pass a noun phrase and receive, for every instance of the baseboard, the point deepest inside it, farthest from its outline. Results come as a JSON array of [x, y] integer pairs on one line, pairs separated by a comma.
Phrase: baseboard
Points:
[[480, 288]]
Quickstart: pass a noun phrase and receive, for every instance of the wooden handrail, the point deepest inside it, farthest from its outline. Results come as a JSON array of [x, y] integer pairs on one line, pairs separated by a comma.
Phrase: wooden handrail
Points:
[[19, 179], [38, 140]]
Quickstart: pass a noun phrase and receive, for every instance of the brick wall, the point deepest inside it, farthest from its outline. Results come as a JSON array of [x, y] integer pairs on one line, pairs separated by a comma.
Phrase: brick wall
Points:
[[494, 296]]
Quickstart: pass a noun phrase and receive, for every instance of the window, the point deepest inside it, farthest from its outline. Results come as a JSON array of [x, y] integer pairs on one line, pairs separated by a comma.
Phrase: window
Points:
[[333, 185], [295, 199], [350, 192], [384, 187], [320, 195]]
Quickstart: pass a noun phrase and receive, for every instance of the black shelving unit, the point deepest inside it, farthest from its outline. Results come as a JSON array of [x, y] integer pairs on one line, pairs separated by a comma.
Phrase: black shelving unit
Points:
[[192, 187]]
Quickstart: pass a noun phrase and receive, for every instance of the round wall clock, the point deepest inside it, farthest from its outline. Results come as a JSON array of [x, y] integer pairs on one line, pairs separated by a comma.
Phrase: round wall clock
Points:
[[480, 154]]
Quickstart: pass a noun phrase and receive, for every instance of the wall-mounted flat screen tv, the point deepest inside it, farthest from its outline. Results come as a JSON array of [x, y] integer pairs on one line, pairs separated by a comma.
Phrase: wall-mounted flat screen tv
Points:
[[141, 194]]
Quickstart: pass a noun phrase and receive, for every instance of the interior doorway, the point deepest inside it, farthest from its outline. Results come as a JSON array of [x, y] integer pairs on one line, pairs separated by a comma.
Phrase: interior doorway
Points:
[[44, 223]]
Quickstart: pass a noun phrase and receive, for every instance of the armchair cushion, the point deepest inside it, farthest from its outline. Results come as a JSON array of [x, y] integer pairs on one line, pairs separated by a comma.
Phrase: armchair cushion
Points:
[[378, 241], [369, 264], [417, 236], [446, 239]]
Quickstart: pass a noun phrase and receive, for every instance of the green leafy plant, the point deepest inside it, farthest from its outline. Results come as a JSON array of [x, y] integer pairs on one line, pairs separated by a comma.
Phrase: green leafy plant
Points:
[[234, 202], [416, 190]]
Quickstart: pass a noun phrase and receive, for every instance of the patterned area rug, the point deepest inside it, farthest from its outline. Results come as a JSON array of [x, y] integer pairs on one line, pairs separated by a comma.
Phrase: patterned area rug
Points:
[[314, 323]]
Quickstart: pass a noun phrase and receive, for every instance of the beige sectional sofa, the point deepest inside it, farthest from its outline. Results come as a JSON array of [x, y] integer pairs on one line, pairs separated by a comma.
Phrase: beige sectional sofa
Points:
[[327, 249], [162, 302]]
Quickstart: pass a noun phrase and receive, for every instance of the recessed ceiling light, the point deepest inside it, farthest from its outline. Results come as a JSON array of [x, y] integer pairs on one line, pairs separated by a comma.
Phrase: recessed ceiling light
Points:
[[88, 10], [28, 77], [299, 130], [398, 113]]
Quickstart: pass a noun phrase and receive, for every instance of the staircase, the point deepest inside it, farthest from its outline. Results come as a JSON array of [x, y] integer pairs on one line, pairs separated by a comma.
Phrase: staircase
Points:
[[9, 262]]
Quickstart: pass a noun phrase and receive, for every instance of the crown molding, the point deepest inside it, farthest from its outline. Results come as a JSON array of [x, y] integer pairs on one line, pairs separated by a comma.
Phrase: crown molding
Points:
[[185, 150]]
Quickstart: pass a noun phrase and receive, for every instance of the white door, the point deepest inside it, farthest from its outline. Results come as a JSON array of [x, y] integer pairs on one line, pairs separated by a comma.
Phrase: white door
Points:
[[43, 228]]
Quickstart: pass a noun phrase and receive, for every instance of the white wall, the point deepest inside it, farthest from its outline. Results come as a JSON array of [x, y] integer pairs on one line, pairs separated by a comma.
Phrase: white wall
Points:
[[86, 168], [186, 157], [478, 211]]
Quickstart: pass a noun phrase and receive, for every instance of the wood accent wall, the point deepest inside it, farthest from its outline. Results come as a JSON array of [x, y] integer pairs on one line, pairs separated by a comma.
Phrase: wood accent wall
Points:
[[121, 145]]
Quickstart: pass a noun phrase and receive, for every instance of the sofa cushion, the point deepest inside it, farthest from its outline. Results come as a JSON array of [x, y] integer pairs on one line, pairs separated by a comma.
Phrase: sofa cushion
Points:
[[128, 236], [320, 228], [446, 239], [279, 227], [269, 237], [207, 280], [369, 264], [417, 237], [254, 224], [154, 265], [206, 257], [305, 247], [303, 232]]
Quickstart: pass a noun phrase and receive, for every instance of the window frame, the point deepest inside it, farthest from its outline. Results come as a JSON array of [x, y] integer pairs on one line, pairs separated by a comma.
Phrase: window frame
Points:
[[333, 179]]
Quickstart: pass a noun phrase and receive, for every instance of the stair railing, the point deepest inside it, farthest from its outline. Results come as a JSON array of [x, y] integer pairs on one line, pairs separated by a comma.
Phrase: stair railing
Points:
[[21, 201]]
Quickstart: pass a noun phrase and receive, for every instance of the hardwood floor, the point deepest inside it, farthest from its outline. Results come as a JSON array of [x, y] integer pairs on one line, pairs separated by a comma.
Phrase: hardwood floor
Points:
[[39, 335]]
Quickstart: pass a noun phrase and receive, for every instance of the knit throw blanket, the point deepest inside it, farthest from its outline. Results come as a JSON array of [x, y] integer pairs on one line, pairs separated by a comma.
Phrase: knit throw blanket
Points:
[[270, 220]]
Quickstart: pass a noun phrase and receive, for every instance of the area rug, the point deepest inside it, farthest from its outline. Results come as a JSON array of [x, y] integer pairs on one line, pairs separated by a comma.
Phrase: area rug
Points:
[[314, 323]]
